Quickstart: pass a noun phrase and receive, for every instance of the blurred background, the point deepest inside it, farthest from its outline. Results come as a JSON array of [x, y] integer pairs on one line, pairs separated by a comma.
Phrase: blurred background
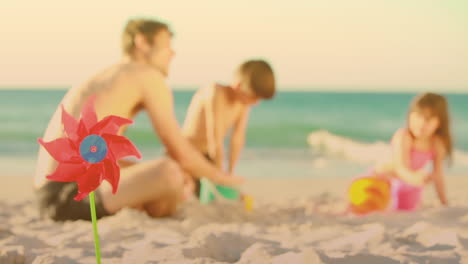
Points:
[[346, 72]]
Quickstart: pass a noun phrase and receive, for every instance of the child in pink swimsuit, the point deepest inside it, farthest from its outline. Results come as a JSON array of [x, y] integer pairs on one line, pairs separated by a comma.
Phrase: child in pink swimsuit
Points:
[[407, 196], [425, 142]]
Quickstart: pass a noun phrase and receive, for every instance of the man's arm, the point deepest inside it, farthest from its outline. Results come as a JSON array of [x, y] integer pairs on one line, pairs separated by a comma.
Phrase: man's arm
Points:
[[238, 139], [158, 101]]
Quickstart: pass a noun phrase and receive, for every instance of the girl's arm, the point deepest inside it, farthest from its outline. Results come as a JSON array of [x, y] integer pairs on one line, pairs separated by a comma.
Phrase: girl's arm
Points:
[[438, 175]]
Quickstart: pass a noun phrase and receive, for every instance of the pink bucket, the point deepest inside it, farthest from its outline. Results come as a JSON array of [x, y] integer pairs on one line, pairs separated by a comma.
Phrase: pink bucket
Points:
[[405, 197]]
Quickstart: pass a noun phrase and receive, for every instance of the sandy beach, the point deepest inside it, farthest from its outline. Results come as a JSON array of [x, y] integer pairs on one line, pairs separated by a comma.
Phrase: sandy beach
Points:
[[294, 221], [299, 98]]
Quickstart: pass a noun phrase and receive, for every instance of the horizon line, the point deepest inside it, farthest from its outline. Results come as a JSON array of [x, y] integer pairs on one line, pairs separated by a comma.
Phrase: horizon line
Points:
[[287, 88]]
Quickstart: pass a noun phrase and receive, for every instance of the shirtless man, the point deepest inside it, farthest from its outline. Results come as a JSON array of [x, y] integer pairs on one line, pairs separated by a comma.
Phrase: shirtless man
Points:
[[123, 89]]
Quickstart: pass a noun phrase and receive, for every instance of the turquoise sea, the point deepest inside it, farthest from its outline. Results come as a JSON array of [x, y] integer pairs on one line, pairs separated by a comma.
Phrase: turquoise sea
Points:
[[277, 133]]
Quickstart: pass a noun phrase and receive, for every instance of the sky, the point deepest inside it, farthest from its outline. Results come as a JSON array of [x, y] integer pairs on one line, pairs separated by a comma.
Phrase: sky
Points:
[[391, 45]]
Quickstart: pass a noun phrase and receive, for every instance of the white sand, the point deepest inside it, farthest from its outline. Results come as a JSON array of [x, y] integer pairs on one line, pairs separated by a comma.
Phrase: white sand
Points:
[[295, 221]]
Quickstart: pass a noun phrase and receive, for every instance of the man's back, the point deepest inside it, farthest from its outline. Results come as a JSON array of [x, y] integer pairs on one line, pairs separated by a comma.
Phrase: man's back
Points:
[[117, 93], [157, 186]]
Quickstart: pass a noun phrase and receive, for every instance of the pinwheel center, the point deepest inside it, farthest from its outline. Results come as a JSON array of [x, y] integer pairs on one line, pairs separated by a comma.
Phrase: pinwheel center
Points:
[[93, 149]]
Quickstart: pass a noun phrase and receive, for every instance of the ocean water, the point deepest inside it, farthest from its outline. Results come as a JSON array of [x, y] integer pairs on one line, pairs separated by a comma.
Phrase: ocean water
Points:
[[277, 137]]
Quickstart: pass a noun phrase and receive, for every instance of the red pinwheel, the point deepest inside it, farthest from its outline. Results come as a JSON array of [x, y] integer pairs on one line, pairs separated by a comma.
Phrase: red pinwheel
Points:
[[89, 152]]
